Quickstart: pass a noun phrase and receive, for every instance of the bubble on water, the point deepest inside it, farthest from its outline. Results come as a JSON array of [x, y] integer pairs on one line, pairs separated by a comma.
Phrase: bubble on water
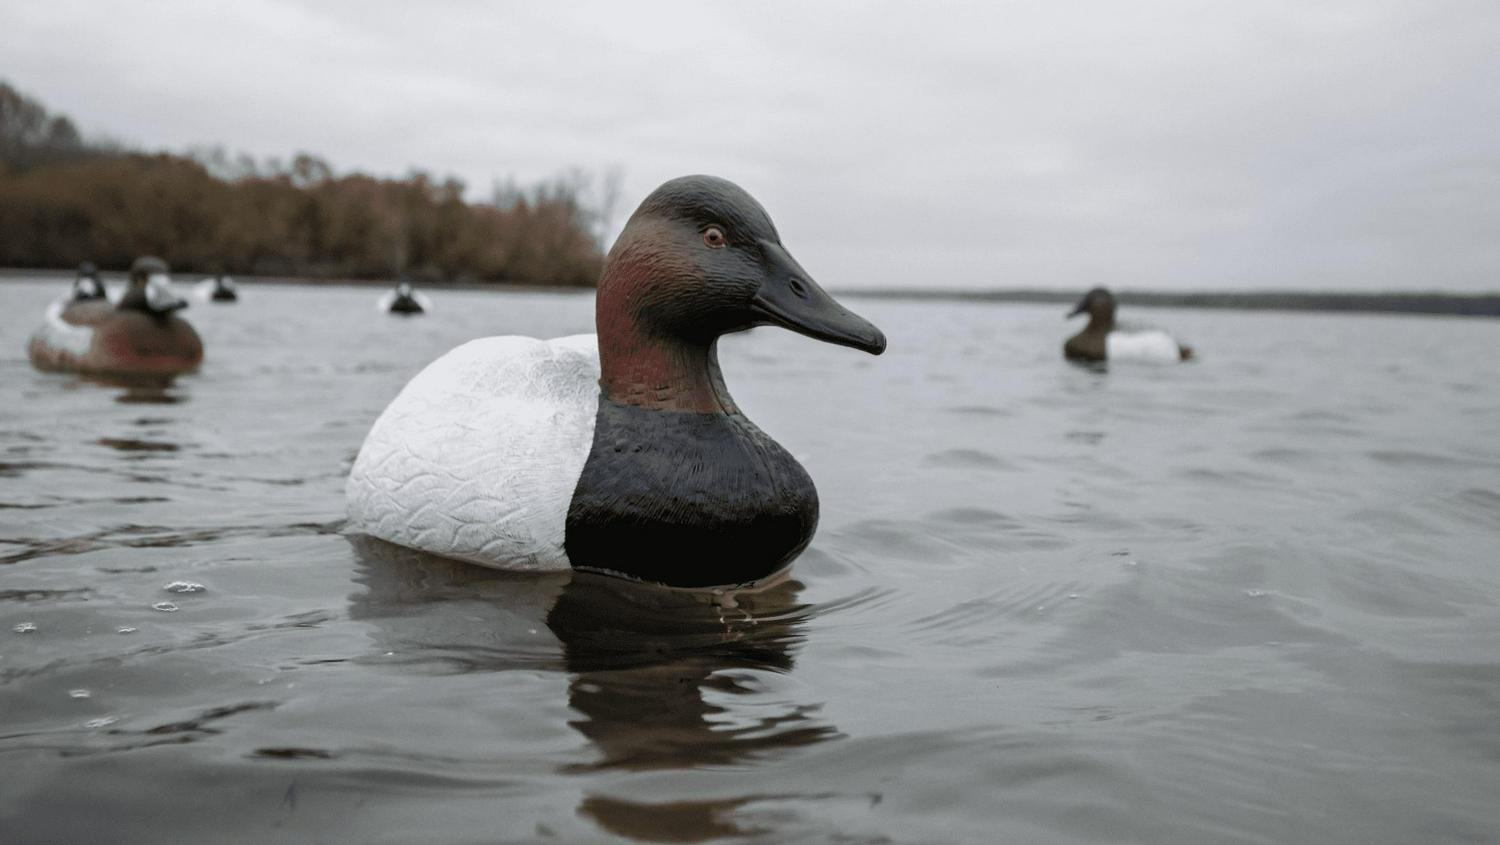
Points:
[[165, 607], [184, 587], [1255, 594], [24, 627], [79, 693], [126, 629], [101, 722], [1072, 595]]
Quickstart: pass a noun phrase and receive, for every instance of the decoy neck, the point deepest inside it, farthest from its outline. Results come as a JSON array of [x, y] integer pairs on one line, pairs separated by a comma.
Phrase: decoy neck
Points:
[[700, 259]]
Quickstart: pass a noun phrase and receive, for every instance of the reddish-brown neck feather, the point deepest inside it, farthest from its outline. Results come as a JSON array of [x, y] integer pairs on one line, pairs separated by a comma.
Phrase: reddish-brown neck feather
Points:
[[639, 366]]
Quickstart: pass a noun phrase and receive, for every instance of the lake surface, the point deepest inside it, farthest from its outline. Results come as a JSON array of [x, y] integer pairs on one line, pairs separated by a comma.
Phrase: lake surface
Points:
[[1255, 598]]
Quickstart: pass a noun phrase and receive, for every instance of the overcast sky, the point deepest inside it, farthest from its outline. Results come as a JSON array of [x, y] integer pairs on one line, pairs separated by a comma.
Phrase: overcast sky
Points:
[[1186, 144]]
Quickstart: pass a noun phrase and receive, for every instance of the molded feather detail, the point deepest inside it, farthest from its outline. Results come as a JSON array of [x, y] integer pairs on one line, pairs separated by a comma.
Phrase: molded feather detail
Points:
[[478, 457]]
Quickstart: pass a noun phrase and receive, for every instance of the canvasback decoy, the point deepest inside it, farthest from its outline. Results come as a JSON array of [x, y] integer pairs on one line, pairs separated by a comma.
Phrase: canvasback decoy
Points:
[[87, 286], [139, 336], [620, 452], [403, 300], [220, 288], [1103, 340]]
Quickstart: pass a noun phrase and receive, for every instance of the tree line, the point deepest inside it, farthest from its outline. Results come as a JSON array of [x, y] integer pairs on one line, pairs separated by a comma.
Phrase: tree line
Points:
[[65, 199]]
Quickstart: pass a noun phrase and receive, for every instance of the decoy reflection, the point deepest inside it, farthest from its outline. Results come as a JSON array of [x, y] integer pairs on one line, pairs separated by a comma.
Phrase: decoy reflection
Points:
[[653, 671]]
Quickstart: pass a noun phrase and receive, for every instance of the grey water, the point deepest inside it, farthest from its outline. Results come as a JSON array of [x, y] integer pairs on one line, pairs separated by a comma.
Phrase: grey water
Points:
[[1250, 599]]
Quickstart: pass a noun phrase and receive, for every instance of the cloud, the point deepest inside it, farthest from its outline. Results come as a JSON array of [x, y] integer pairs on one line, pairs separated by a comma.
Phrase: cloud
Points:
[[1168, 144]]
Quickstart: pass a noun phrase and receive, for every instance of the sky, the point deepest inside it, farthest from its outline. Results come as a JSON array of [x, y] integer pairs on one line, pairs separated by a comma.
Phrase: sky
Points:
[[1179, 144]]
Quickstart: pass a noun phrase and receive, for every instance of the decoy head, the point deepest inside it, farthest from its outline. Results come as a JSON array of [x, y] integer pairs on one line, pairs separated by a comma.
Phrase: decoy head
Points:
[[87, 285], [150, 288], [1098, 303], [701, 258], [148, 269]]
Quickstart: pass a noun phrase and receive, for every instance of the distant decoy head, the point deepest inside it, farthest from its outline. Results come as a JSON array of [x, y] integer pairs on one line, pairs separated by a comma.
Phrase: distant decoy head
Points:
[[143, 268], [150, 288], [1098, 303], [87, 285]]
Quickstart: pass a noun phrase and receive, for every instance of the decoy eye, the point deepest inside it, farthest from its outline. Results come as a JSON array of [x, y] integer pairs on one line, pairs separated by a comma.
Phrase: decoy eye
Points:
[[713, 236]]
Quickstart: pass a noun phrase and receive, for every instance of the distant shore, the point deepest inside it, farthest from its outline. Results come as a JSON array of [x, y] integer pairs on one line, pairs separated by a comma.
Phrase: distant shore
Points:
[[1380, 302], [65, 276]]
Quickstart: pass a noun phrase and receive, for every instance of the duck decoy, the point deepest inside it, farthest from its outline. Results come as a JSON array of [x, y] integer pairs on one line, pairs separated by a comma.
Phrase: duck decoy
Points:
[[620, 452], [220, 288], [403, 300], [139, 336], [1103, 340]]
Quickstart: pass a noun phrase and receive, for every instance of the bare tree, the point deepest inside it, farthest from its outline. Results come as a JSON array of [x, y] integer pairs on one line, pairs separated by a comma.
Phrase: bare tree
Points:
[[608, 203]]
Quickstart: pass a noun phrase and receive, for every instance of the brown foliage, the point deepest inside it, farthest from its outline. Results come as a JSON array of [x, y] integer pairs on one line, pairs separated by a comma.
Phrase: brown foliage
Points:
[[63, 201]]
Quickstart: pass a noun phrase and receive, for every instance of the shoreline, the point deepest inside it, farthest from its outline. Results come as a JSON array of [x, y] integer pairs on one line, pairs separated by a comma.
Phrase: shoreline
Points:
[[11, 274], [1429, 303]]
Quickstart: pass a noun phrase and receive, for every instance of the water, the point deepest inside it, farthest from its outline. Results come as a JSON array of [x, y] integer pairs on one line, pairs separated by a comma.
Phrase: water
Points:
[[1251, 599]]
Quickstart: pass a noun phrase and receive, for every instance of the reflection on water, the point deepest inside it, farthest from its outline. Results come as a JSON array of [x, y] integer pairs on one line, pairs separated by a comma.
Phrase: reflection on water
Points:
[[645, 666], [131, 444], [134, 390], [645, 663], [150, 396], [669, 821]]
